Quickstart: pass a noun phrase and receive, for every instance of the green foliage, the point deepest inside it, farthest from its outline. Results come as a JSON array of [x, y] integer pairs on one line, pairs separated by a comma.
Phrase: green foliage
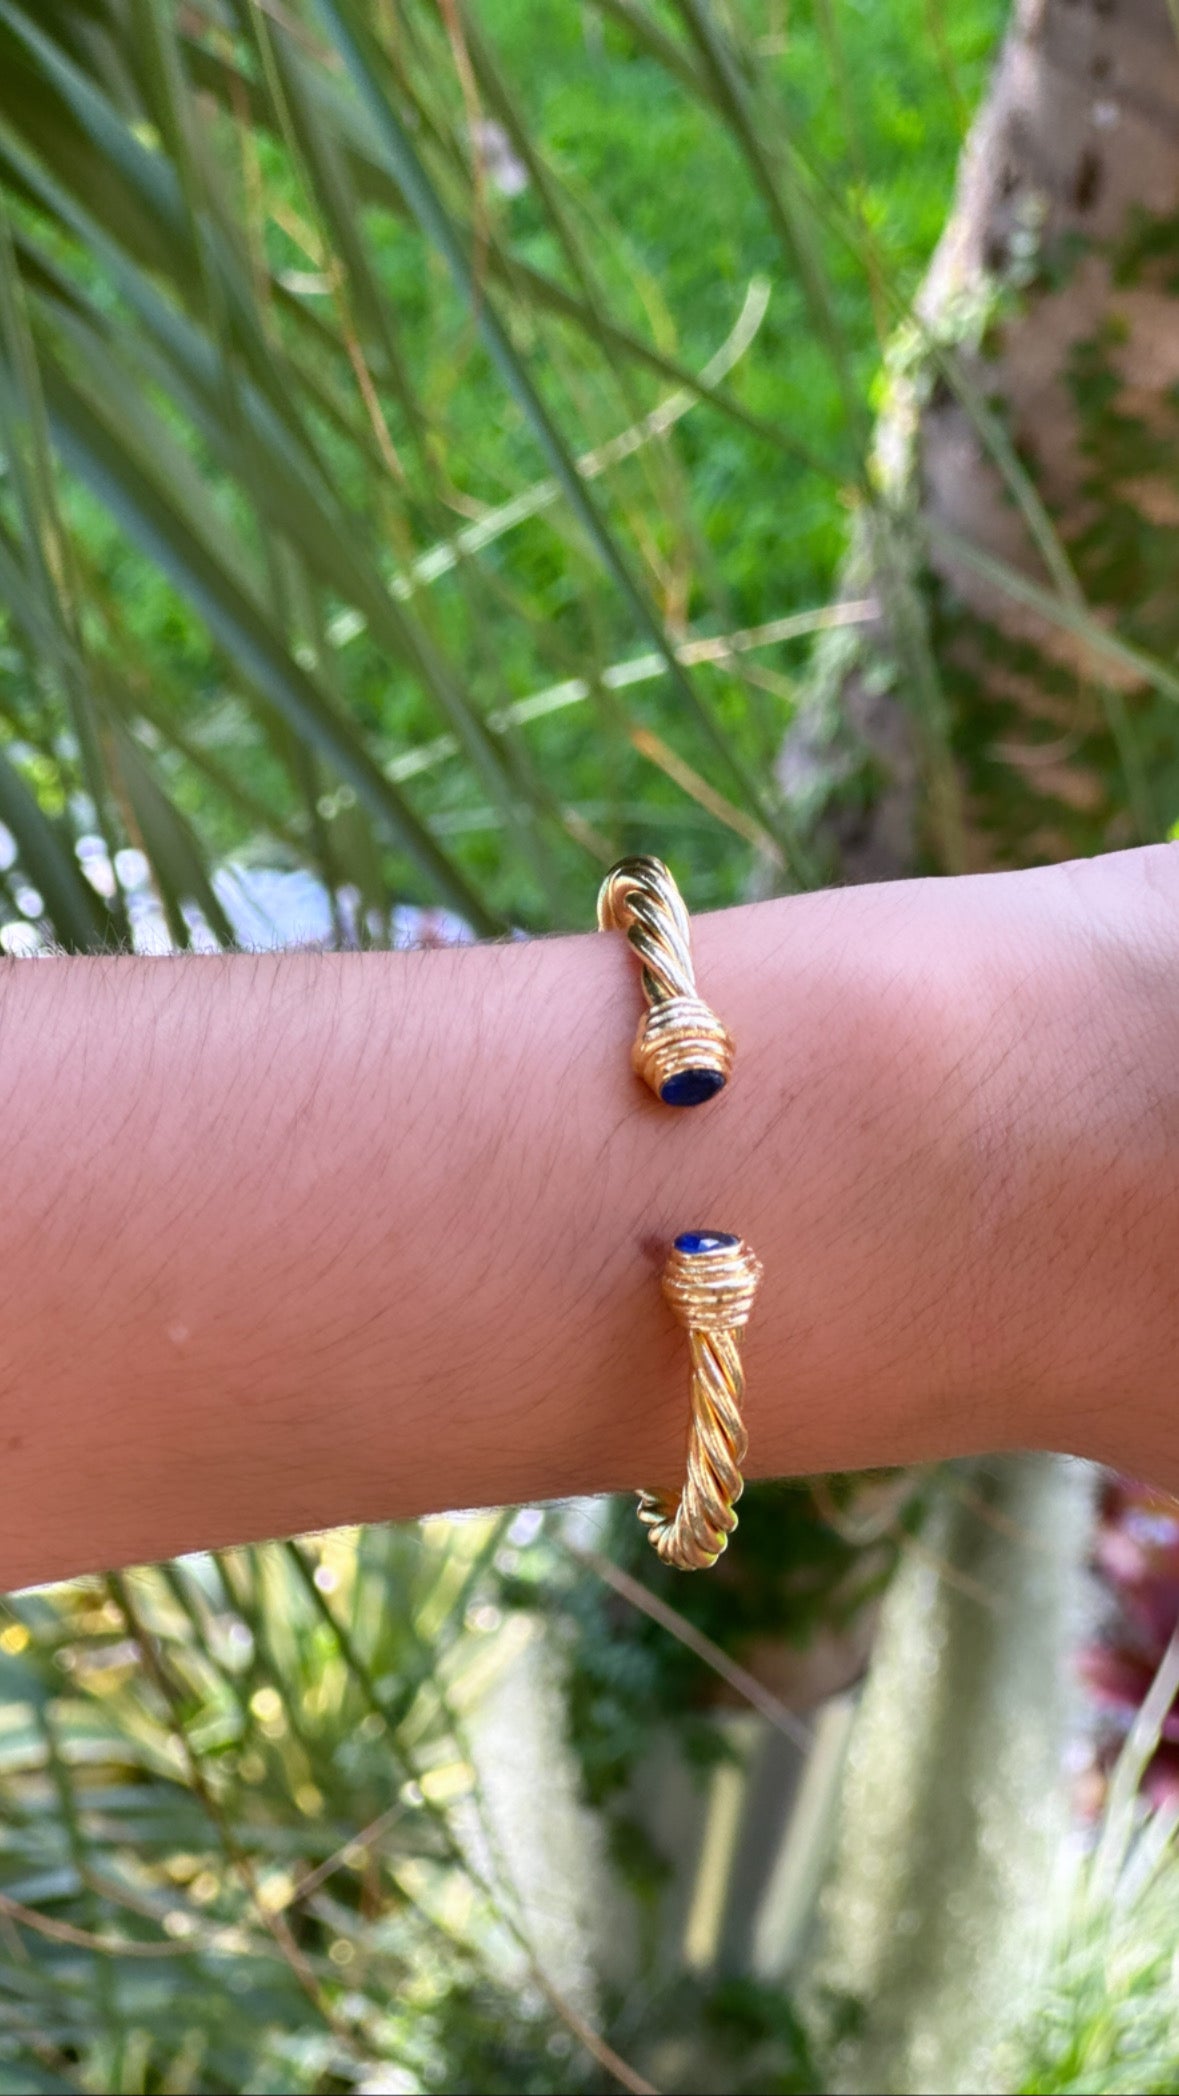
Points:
[[229, 1855], [1104, 2019], [744, 2016], [1107, 2025], [797, 1574], [278, 354], [742, 2035]]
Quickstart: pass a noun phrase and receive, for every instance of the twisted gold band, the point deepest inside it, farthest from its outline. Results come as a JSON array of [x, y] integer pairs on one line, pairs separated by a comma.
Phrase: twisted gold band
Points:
[[681, 1049], [710, 1281]]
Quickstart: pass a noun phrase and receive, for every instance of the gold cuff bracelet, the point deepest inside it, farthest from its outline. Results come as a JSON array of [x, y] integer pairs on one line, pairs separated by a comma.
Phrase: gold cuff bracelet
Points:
[[710, 1281], [681, 1050], [684, 1053]]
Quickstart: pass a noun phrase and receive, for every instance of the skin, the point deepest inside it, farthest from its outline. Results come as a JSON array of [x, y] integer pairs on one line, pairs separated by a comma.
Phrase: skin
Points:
[[288, 1241]]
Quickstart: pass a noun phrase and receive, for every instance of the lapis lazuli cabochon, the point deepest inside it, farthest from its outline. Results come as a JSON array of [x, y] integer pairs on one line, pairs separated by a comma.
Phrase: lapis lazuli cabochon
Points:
[[705, 1241], [692, 1087]]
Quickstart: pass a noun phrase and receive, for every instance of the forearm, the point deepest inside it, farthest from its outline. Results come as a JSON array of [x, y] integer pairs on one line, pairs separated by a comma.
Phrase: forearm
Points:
[[299, 1240]]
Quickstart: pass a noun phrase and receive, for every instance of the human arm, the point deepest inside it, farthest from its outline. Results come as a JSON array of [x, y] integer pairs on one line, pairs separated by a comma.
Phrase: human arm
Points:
[[294, 1240]]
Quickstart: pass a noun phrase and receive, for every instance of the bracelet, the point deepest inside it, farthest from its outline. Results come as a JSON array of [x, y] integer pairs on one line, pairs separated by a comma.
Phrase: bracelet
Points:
[[681, 1049], [710, 1281], [684, 1053]]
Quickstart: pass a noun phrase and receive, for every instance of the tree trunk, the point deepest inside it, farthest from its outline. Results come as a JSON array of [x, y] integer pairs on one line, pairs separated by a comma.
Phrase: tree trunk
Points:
[[953, 1819], [1054, 300], [1029, 462]]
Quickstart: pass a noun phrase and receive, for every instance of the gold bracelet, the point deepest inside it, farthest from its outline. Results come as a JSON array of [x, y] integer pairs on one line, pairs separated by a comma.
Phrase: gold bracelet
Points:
[[710, 1281], [685, 1054], [681, 1050]]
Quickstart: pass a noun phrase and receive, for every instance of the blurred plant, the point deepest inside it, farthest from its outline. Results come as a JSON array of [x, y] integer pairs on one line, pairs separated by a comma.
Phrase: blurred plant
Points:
[[282, 355], [1136, 1555], [1108, 2017], [242, 1841], [640, 1642]]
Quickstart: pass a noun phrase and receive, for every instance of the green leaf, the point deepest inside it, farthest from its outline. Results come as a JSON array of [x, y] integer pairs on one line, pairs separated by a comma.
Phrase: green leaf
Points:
[[46, 856], [146, 502], [425, 202]]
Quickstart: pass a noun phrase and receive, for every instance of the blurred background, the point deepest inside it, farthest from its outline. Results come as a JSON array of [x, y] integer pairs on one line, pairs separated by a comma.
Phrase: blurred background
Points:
[[445, 445]]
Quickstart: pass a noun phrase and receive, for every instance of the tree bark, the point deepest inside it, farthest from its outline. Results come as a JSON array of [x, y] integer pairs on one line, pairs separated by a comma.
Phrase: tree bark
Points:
[[1054, 299], [953, 1819], [1050, 315]]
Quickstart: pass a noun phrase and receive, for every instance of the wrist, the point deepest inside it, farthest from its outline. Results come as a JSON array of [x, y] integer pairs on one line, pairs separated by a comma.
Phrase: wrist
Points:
[[953, 1136], [1079, 1111], [854, 1154]]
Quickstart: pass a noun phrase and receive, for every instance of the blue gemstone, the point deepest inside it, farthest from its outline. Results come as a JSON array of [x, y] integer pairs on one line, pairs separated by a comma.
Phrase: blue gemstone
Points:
[[691, 1087], [705, 1241]]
